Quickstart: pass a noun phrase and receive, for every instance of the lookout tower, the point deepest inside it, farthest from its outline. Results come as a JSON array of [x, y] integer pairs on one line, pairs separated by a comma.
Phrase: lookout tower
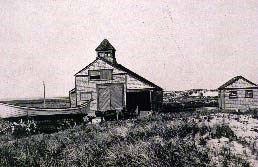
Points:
[[107, 51]]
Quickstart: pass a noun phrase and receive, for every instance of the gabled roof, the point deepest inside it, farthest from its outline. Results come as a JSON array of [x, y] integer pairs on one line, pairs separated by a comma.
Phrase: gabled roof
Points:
[[104, 46], [122, 68], [231, 81], [131, 73], [86, 66]]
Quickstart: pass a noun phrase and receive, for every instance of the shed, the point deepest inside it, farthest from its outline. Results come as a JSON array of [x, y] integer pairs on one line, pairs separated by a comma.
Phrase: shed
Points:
[[238, 94], [111, 86]]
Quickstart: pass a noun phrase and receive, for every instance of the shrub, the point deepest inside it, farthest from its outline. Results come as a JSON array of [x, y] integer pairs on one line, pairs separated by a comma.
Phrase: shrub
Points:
[[204, 129], [203, 142], [230, 159], [224, 131]]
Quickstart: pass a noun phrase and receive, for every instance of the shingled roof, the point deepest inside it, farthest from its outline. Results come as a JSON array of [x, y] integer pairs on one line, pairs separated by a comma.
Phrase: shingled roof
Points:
[[131, 73], [104, 46], [231, 81]]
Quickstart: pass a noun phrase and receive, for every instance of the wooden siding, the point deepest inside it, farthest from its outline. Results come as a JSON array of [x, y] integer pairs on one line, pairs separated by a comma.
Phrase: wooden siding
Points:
[[83, 84], [72, 96], [241, 102], [240, 84], [221, 99], [133, 83], [99, 64]]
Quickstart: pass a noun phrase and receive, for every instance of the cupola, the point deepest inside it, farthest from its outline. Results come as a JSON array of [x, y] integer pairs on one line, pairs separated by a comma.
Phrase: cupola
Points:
[[107, 51]]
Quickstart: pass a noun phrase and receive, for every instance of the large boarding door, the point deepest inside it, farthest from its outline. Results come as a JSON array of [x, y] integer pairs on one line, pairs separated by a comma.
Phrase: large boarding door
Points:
[[103, 98], [110, 97]]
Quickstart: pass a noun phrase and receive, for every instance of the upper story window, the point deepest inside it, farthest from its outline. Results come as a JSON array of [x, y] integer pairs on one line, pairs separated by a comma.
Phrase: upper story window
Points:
[[94, 74], [104, 74], [249, 93], [233, 94]]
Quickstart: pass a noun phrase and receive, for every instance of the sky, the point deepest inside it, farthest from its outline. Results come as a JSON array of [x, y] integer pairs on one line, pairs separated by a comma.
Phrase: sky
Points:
[[177, 44]]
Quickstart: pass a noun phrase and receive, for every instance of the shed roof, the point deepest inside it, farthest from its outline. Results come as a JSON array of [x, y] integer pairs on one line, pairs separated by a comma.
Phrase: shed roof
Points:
[[104, 46], [231, 81]]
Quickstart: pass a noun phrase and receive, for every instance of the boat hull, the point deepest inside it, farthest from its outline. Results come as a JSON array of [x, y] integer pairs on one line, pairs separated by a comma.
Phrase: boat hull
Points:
[[12, 111]]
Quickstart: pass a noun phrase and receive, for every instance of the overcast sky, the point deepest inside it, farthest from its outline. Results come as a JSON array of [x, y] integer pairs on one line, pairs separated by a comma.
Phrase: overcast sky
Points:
[[176, 44]]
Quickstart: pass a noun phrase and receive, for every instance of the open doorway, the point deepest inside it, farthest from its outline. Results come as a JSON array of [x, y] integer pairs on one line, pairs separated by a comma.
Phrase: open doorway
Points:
[[138, 98]]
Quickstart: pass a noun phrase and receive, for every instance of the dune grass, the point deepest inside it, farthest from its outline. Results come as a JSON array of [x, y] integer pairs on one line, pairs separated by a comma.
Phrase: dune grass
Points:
[[159, 140]]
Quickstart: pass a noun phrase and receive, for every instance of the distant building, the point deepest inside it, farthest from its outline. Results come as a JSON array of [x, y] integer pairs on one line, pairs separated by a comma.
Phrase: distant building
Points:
[[210, 93], [202, 93], [238, 94], [111, 86]]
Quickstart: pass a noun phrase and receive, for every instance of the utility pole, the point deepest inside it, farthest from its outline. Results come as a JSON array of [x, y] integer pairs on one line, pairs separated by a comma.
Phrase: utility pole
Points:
[[44, 104]]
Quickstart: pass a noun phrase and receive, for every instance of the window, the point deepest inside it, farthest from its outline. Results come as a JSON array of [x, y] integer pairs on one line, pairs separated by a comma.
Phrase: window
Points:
[[101, 54], [249, 93], [105, 54], [105, 74], [85, 96], [232, 94], [94, 74]]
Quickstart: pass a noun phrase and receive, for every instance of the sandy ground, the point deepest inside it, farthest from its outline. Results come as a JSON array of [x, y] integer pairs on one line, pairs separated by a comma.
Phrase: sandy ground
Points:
[[245, 128]]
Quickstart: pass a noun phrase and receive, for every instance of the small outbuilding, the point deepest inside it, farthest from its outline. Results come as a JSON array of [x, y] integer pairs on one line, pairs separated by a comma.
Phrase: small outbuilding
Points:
[[238, 94], [110, 86]]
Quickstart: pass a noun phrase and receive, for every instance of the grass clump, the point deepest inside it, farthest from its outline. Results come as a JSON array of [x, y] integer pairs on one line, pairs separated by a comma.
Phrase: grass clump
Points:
[[223, 131], [159, 140]]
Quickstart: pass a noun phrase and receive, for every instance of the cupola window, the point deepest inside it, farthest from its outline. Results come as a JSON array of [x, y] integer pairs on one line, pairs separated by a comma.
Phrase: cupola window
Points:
[[107, 51]]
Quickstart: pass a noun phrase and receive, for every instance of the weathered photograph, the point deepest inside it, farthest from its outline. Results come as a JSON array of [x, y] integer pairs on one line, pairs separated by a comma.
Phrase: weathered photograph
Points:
[[170, 83]]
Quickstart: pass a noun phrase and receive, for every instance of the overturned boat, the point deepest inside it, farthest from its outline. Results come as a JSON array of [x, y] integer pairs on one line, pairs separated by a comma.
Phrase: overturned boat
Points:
[[10, 111]]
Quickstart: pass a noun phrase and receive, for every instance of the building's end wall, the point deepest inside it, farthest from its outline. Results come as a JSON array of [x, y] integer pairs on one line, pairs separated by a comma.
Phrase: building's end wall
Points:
[[241, 102], [83, 84]]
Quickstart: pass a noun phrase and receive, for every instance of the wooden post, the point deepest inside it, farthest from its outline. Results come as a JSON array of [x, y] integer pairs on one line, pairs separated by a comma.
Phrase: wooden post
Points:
[[150, 100], [44, 86], [137, 111], [125, 90], [117, 114]]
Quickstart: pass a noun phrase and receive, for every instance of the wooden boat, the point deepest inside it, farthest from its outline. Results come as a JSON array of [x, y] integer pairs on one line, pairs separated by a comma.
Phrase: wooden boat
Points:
[[13, 111]]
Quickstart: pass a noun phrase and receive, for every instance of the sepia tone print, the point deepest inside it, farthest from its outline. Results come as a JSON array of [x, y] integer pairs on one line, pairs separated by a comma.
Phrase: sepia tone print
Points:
[[129, 83], [113, 86], [238, 94]]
